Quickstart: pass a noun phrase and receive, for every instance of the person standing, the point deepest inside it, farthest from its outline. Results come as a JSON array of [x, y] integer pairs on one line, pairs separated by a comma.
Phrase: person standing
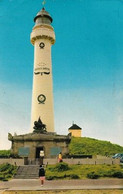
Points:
[[60, 157], [42, 174]]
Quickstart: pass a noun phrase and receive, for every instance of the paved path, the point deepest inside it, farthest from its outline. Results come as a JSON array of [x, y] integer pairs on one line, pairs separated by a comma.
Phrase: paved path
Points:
[[34, 184]]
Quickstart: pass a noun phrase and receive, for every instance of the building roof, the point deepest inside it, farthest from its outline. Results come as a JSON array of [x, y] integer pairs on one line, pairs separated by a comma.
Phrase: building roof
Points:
[[75, 127]]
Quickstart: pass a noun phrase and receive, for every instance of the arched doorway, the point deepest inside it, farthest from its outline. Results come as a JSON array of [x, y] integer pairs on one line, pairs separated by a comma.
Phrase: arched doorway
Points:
[[38, 149]]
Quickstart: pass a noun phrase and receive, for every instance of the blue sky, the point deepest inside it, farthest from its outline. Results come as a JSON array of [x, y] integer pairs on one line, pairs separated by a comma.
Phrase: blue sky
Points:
[[87, 61]]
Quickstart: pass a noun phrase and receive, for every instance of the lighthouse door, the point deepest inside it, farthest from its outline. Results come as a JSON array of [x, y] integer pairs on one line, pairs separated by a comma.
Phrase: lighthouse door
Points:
[[38, 149]]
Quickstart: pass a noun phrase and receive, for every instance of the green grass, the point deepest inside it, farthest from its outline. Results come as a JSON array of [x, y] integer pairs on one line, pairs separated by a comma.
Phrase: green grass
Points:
[[84, 171], [89, 146], [5, 153], [7, 171]]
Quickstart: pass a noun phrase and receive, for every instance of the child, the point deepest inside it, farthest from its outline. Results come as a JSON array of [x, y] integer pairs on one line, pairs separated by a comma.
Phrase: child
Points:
[[42, 174]]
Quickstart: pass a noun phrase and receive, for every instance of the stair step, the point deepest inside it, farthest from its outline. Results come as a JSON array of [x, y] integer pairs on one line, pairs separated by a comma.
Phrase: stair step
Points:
[[27, 172]]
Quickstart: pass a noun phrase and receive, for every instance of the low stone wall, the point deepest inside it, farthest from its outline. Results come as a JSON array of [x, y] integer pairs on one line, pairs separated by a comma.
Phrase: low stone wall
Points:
[[50, 161], [21, 162], [84, 161], [14, 161]]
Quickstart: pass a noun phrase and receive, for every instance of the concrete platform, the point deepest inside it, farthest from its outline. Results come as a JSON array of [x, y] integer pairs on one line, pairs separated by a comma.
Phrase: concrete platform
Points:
[[34, 184]]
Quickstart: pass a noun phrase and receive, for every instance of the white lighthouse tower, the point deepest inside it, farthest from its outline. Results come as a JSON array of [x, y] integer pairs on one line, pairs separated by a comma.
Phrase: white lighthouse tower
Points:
[[42, 37]]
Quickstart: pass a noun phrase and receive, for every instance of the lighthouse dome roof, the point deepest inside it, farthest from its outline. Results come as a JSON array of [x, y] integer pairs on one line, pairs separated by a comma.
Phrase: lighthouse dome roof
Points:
[[43, 13]]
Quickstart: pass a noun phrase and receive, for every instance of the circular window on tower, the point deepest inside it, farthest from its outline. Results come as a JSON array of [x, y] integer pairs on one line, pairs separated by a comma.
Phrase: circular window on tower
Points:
[[41, 45], [41, 99]]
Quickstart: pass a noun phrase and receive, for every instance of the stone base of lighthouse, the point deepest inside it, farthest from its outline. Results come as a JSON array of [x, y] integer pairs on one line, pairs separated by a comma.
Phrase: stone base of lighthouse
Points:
[[30, 145]]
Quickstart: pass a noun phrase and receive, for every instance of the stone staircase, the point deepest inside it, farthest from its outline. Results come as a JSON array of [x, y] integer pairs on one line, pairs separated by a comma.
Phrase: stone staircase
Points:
[[27, 172]]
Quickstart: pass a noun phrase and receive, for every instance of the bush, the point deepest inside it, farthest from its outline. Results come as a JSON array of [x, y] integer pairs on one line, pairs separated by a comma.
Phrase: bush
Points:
[[8, 176], [4, 167], [5, 179], [66, 175], [74, 176], [93, 175], [118, 174], [7, 171], [50, 177], [62, 167], [1, 177]]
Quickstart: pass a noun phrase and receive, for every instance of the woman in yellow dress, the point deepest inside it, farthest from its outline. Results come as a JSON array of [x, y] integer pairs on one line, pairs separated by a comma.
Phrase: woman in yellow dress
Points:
[[60, 157]]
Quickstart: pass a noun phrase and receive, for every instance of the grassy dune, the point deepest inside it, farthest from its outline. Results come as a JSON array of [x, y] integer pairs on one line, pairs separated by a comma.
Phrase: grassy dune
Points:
[[86, 146]]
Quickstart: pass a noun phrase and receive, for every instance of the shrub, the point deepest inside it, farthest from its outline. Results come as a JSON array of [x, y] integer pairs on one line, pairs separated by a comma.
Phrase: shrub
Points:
[[1, 177], [106, 173], [118, 174], [50, 169], [5, 179], [50, 177], [74, 176], [93, 175], [8, 176], [66, 175], [7, 171], [53, 177], [62, 167], [4, 167]]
